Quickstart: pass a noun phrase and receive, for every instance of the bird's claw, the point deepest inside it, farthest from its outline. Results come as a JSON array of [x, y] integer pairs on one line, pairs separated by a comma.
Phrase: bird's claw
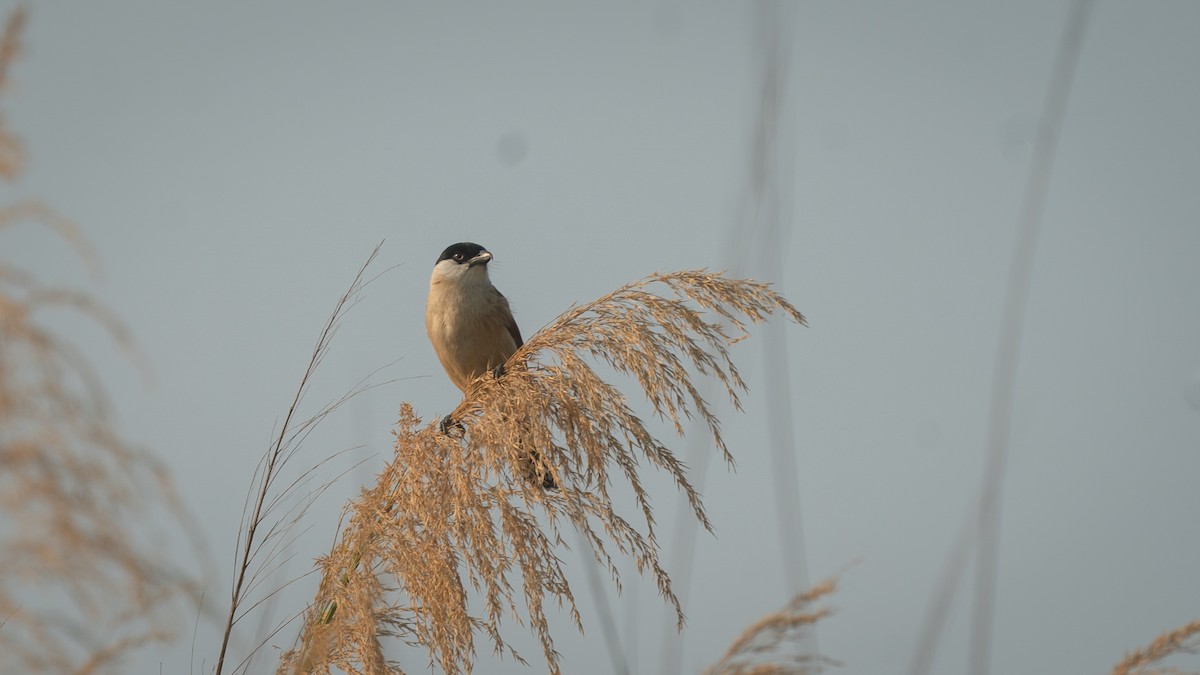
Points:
[[448, 422], [498, 371]]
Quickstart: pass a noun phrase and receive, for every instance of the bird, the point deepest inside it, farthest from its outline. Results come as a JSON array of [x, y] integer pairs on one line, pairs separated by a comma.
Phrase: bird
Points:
[[471, 326]]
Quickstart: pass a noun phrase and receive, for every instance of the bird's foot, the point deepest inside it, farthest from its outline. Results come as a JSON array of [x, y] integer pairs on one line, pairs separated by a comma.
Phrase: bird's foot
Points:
[[448, 422], [538, 473], [498, 371]]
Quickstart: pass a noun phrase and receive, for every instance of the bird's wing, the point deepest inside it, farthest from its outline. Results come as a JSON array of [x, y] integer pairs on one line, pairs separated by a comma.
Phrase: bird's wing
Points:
[[515, 332], [511, 323]]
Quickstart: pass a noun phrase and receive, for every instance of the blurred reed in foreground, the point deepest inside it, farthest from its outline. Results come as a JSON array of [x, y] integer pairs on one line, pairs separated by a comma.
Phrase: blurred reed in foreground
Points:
[[81, 585]]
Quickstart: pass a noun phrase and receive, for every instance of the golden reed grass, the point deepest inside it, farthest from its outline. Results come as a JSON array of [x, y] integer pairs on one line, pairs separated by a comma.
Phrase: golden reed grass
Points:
[[80, 585], [455, 513]]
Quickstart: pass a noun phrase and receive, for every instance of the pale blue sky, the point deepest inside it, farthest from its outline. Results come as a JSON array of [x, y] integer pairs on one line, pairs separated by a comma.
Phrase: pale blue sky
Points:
[[234, 163]]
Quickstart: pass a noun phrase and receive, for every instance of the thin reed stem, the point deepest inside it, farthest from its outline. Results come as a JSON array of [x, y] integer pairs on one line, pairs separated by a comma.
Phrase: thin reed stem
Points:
[[281, 450]]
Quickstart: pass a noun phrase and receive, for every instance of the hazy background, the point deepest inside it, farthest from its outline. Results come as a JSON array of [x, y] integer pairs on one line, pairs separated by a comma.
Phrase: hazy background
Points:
[[234, 163]]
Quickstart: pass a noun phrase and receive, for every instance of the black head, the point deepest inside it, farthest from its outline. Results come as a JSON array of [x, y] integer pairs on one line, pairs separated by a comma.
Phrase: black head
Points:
[[461, 253]]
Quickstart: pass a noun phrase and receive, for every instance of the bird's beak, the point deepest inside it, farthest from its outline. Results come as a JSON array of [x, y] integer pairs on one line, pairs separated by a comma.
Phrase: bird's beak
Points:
[[480, 259]]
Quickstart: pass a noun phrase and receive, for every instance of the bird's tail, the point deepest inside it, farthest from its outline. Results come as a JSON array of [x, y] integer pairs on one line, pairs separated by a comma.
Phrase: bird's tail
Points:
[[535, 470], [531, 462]]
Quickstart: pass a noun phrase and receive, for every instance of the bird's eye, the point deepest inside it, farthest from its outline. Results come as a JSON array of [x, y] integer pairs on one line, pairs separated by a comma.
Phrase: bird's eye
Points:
[[458, 257]]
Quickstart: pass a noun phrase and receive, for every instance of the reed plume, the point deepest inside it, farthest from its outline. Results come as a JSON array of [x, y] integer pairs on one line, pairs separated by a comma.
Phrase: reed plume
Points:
[[769, 645], [1146, 660], [454, 513]]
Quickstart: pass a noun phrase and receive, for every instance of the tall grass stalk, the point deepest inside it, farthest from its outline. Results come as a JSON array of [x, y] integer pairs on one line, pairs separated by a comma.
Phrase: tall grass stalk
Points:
[[267, 527]]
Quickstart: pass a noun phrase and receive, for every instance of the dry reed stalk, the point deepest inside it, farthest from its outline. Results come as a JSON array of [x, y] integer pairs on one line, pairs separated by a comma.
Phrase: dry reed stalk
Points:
[[267, 529], [81, 585], [1182, 640], [760, 649], [455, 513]]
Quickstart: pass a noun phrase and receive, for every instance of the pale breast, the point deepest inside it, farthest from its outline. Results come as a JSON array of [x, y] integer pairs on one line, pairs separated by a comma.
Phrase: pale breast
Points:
[[473, 338]]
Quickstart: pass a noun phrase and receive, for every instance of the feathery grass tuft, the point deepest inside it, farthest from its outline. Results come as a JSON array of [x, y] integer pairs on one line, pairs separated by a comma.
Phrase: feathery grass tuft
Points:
[[457, 512], [759, 650], [1182, 640]]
